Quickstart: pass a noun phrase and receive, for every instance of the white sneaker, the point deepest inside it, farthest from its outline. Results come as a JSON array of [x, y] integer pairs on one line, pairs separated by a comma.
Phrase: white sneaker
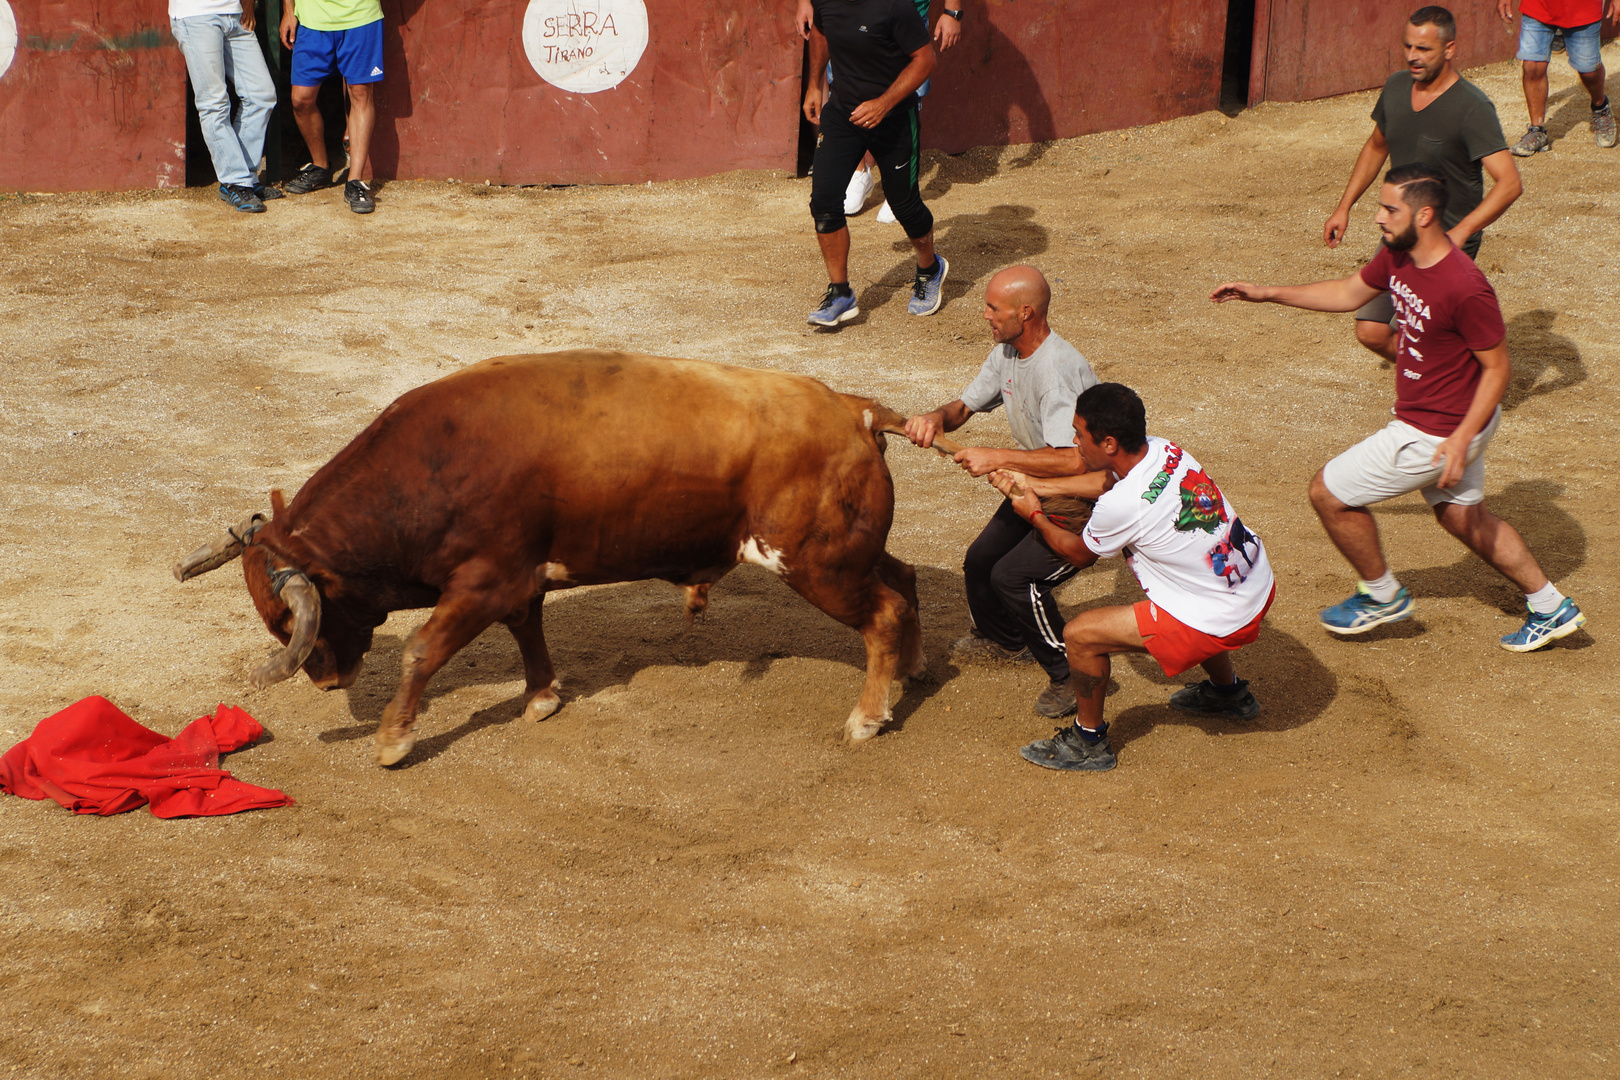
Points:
[[886, 215], [860, 186]]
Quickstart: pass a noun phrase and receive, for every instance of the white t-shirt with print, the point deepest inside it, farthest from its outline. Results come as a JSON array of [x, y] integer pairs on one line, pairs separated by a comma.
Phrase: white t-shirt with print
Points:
[[1039, 391], [1183, 541]]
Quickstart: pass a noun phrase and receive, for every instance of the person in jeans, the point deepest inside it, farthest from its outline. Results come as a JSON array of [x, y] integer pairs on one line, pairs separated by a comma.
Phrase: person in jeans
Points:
[[327, 37], [216, 38], [1581, 23]]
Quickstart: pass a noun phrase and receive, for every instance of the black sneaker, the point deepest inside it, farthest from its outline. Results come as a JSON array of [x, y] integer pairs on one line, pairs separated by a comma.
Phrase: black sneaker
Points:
[[1067, 749], [266, 192], [359, 197], [1057, 700], [241, 198], [311, 177], [1210, 700]]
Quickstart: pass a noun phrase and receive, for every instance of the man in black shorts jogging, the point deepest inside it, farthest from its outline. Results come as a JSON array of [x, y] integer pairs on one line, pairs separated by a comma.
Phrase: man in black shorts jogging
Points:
[[881, 53]]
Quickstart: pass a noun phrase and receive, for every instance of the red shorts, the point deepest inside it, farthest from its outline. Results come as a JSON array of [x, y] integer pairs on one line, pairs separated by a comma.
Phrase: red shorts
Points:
[[1177, 646]]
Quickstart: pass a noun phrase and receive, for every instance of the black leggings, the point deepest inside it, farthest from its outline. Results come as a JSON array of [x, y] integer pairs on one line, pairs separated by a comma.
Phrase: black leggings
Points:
[[895, 147]]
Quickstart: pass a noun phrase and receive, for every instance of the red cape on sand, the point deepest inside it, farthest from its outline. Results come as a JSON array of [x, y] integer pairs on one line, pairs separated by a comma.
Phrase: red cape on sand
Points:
[[93, 759]]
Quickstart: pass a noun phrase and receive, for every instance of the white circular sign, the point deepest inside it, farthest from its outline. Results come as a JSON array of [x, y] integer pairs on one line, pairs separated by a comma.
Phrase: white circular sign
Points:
[[8, 36], [583, 46]]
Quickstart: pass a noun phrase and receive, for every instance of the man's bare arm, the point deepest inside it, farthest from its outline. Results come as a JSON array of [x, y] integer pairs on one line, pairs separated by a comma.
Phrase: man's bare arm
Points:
[[1086, 485], [1496, 369], [868, 114], [1046, 462], [1343, 294], [1068, 546], [1506, 186], [1368, 162], [816, 92], [922, 428]]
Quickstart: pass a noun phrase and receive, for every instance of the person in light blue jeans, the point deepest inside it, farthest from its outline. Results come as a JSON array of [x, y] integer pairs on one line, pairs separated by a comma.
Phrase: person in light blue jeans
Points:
[[216, 37]]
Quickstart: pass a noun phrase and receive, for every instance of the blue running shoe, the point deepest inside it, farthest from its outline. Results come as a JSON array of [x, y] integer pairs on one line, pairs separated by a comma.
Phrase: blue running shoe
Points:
[[241, 198], [1539, 630], [834, 309], [1361, 612], [927, 293]]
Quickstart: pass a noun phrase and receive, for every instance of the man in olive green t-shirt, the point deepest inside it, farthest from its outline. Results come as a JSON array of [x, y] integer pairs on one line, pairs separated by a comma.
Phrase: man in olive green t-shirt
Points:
[[1431, 115], [327, 37]]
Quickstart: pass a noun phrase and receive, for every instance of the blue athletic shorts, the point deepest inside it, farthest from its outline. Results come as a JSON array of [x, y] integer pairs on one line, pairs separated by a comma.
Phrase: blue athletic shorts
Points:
[[356, 54], [1581, 43]]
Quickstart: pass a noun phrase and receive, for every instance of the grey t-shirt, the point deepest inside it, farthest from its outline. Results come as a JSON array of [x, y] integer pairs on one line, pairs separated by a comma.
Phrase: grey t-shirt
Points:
[[1452, 133], [1040, 392]]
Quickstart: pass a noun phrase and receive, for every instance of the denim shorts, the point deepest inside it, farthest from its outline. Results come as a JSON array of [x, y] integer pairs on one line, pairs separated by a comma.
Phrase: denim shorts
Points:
[[1581, 43], [357, 54]]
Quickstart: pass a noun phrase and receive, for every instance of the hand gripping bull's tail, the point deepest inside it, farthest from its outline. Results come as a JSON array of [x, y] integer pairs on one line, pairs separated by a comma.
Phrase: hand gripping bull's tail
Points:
[[1066, 511], [874, 417]]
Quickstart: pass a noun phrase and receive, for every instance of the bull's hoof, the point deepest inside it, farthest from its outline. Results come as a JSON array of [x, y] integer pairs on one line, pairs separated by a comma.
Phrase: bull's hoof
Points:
[[391, 750], [541, 707], [861, 730]]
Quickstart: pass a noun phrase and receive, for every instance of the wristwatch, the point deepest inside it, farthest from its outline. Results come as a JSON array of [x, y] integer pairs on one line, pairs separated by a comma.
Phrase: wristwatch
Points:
[[956, 14]]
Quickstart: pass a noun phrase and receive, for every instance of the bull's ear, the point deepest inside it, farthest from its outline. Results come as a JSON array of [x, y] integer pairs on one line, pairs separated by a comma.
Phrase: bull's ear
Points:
[[278, 505]]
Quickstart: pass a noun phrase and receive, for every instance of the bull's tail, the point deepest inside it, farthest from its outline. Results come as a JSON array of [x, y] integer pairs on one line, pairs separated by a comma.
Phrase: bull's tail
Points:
[[873, 417]]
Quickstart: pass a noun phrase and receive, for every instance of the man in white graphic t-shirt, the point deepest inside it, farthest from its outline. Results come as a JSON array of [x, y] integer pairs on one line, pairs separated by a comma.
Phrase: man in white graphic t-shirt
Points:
[[1206, 575]]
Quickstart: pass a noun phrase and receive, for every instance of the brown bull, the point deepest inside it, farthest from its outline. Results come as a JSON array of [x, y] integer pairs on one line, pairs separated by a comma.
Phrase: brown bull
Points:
[[478, 494]]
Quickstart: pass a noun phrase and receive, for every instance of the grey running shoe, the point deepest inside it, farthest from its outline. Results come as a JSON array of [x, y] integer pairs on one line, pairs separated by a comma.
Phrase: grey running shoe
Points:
[[1208, 699], [1536, 140], [311, 177], [267, 192], [358, 196], [974, 649], [1068, 750], [1057, 700], [1603, 125], [928, 290]]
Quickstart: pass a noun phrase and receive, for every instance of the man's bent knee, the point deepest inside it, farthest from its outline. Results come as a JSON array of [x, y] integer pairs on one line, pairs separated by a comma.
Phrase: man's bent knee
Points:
[[830, 222], [1374, 335]]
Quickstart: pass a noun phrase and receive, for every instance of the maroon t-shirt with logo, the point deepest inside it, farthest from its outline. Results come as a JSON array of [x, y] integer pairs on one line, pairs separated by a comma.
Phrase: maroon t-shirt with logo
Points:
[[1445, 313]]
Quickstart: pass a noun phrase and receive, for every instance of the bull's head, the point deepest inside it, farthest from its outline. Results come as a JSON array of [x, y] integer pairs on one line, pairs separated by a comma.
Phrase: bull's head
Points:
[[288, 602]]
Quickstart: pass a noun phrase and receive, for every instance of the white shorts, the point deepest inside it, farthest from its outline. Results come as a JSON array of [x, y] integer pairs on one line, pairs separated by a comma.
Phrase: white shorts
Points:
[[1399, 459]]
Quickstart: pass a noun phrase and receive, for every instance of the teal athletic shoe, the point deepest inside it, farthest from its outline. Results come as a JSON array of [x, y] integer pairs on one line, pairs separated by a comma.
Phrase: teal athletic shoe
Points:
[[1539, 630], [1361, 612]]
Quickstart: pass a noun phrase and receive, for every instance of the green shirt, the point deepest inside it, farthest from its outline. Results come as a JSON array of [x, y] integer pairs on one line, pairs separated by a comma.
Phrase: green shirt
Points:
[[337, 14], [1452, 133]]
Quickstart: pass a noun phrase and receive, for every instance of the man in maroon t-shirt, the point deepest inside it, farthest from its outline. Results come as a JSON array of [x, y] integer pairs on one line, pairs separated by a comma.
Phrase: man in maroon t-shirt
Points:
[[1451, 369]]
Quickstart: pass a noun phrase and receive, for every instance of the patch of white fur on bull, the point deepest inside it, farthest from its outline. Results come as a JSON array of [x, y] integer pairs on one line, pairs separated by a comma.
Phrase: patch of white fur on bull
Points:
[[761, 554], [555, 571], [866, 414]]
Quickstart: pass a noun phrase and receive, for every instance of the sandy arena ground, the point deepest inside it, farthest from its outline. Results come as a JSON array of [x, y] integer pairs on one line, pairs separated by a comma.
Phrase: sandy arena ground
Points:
[[1405, 867]]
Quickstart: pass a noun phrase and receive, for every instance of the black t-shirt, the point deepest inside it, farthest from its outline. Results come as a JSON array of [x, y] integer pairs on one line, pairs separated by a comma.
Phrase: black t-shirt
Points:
[[870, 42], [1452, 133]]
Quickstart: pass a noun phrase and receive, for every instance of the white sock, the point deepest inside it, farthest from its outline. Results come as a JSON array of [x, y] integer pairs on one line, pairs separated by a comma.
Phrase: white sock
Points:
[[1383, 589], [1545, 600]]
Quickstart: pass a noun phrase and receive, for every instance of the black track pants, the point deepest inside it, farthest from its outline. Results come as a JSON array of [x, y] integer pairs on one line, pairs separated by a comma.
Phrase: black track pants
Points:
[[1010, 575]]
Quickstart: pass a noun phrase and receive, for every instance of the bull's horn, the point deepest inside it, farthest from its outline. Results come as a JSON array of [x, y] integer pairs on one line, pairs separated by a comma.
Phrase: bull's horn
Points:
[[305, 601], [213, 556]]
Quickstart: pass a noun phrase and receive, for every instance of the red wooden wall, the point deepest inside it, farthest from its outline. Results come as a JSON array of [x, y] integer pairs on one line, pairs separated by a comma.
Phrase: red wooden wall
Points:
[[1032, 70], [95, 97], [1306, 49]]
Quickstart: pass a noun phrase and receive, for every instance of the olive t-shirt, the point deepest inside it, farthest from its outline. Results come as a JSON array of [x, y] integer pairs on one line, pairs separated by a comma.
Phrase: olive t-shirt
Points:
[[1452, 133], [870, 43]]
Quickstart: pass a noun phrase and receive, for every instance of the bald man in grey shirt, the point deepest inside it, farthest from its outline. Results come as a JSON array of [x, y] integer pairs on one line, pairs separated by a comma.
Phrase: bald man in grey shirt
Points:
[[1009, 571]]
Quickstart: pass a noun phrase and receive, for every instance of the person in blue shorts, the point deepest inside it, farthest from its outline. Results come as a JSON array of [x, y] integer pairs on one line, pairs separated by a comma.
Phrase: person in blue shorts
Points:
[[1580, 23], [342, 37]]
